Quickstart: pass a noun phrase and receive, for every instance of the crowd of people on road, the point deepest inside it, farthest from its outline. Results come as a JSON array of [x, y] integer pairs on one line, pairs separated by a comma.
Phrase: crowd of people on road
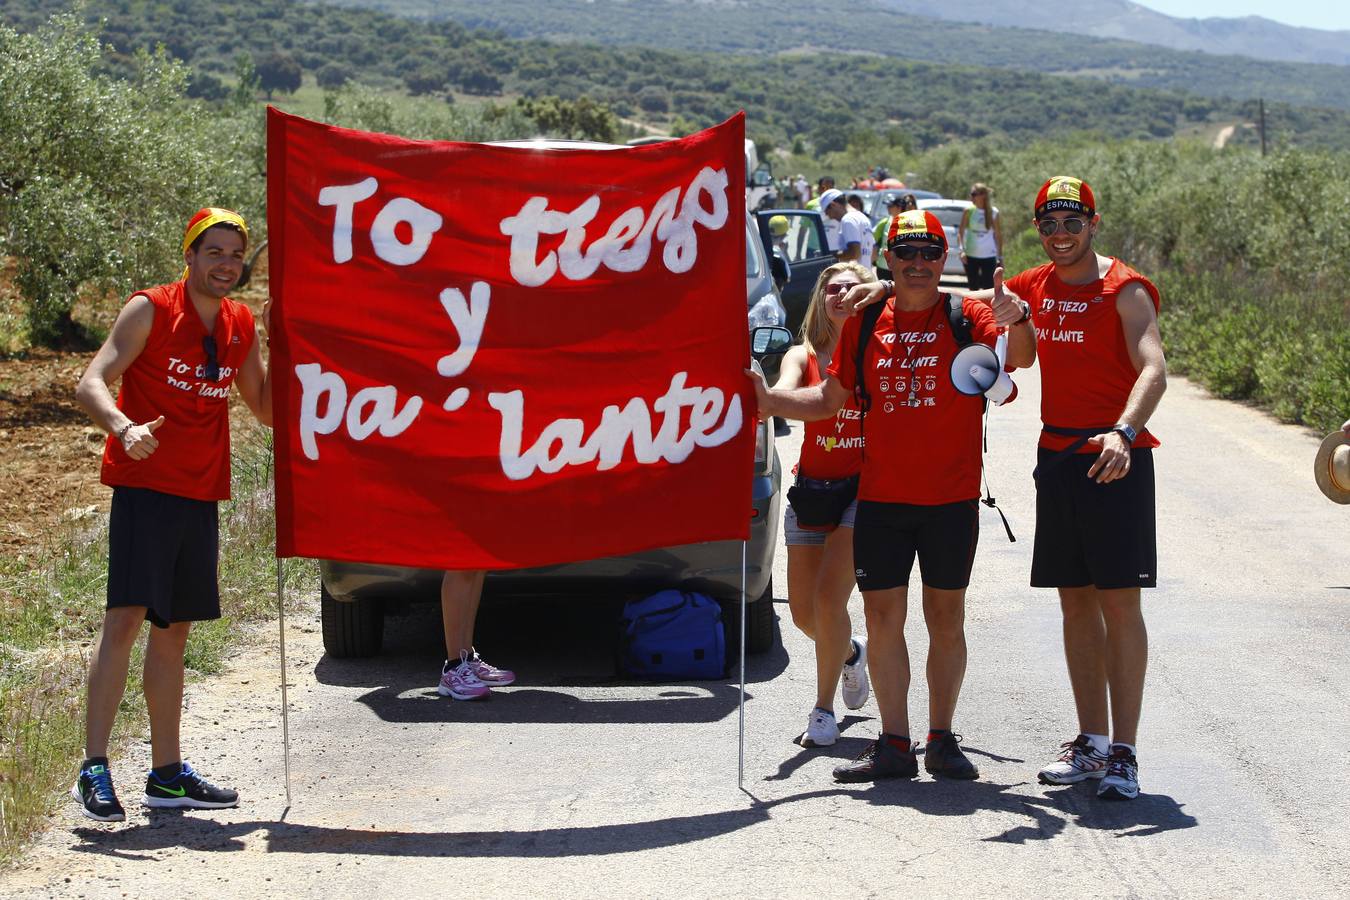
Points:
[[889, 474]]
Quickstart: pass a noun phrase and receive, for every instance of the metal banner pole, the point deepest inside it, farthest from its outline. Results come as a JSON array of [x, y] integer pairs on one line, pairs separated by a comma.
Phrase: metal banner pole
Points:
[[285, 713], [740, 757]]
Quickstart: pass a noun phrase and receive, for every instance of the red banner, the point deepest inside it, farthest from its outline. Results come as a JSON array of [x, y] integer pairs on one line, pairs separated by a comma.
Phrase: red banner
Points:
[[498, 357]]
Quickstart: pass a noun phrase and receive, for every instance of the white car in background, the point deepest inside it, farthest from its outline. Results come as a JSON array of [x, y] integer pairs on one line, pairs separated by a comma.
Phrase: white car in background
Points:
[[949, 213]]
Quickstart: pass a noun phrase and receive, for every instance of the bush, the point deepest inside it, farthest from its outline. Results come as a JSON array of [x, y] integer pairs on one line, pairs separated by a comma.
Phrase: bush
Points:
[[100, 175]]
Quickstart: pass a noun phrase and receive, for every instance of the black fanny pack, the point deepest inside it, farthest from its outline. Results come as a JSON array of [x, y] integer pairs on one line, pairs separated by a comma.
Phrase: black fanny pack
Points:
[[820, 504]]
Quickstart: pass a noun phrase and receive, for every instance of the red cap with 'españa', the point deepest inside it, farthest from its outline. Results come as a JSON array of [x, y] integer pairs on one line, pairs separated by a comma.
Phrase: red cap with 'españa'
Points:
[[1064, 192], [915, 225]]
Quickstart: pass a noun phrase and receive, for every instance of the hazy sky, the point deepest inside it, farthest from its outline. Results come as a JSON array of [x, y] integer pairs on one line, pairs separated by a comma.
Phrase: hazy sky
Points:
[[1329, 14]]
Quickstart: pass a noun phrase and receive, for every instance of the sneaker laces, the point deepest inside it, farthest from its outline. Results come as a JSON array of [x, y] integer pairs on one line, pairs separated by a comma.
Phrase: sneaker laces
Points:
[[1073, 749], [466, 671], [1119, 765], [100, 784]]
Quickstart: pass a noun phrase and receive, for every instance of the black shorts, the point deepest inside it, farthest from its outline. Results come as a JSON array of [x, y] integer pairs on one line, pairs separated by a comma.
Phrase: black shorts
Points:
[[1104, 535], [162, 554], [887, 537]]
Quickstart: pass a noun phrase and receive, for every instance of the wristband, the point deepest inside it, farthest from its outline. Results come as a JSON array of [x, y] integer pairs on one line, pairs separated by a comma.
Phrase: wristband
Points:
[[1125, 431], [890, 289], [122, 432]]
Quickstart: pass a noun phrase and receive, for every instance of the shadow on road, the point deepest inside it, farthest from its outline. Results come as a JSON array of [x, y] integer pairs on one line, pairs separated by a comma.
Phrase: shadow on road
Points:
[[554, 648], [175, 830]]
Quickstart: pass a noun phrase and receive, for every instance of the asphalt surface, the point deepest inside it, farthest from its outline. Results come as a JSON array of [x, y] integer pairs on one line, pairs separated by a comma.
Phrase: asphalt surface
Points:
[[575, 783]]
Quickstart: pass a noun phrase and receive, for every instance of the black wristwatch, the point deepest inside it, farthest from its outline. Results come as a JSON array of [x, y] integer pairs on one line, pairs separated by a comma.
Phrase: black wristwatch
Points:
[[1125, 431], [1026, 313]]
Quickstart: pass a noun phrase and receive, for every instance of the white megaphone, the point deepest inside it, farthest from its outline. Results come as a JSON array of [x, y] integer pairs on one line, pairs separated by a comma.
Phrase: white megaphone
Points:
[[978, 370]]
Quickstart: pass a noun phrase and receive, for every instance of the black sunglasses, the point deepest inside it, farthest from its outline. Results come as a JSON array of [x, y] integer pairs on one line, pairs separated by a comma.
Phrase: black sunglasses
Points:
[[906, 252], [1048, 227], [212, 361]]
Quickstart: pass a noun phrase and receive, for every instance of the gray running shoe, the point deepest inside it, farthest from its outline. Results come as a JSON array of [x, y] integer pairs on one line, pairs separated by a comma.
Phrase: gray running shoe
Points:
[[856, 686]]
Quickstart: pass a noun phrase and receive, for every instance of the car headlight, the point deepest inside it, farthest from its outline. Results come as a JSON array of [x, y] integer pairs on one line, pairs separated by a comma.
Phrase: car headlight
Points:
[[767, 311]]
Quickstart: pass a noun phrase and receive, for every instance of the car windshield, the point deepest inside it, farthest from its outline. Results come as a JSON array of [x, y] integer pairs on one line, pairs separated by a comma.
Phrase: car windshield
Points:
[[947, 215]]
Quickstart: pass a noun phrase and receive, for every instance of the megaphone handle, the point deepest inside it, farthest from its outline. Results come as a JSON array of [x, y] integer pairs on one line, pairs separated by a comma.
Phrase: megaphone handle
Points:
[[1001, 348]]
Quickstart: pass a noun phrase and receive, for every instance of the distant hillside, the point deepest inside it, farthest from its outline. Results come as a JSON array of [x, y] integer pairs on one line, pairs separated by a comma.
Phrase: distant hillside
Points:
[[822, 101], [1247, 36], [875, 27]]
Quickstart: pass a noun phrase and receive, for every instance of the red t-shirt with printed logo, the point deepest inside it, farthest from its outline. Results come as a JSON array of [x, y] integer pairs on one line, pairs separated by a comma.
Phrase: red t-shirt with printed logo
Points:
[[168, 379], [923, 436], [1086, 371], [831, 448]]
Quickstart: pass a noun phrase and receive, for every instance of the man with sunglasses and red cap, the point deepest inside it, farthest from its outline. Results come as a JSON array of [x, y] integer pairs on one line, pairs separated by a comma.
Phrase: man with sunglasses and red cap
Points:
[[177, 349], [918, 494], [1103, 373]]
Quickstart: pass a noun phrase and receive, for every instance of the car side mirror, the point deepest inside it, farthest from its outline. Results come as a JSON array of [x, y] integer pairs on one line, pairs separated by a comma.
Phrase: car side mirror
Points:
[[769, 340], [779, 267]]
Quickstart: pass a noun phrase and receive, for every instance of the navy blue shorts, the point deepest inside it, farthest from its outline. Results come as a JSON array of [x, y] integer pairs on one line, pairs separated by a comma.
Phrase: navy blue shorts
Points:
[[162, 554], [1103, 535], [888, 536]]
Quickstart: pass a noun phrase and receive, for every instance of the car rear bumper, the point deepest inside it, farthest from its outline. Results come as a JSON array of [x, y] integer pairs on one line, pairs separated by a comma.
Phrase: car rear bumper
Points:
[[712, 567]]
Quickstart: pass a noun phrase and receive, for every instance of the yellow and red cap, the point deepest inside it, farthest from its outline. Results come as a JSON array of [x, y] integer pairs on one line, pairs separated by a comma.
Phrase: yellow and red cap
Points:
[[1065, 192], [915, 225]]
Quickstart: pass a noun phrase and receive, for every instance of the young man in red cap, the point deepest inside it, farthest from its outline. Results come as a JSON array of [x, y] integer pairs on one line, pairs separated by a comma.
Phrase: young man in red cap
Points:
[[918, 494], [177, 348], [1102, 375]]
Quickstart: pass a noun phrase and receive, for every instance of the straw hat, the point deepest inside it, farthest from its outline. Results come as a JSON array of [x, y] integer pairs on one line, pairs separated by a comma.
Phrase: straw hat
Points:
[[1332, 467]]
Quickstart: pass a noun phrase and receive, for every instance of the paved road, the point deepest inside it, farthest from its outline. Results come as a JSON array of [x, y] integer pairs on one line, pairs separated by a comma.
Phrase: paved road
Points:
[[575, 784]]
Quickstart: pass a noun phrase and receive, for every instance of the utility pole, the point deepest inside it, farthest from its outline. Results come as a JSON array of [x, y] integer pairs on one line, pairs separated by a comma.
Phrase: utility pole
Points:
[[1261, 112]]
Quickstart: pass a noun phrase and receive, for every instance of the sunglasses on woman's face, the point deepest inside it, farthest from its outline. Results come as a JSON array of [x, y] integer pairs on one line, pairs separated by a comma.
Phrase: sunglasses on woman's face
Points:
[[839, 287], [1048, 227], [906, 252]]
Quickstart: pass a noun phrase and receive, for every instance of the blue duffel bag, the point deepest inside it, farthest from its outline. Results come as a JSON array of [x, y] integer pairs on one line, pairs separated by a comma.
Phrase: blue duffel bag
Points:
[[672, 635]]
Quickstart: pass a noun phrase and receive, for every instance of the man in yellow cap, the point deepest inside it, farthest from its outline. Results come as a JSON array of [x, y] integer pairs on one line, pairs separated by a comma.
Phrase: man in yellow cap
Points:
[[177, 348]]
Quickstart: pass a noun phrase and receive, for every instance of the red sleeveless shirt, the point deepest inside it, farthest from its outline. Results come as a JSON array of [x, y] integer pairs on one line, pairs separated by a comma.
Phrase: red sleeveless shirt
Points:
[[1086, 371], [831, 448], [168, 378]]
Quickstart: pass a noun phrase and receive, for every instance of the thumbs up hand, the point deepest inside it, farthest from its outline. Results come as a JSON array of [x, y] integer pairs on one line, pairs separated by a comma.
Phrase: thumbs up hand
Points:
[[1008, 307], [138, 440]]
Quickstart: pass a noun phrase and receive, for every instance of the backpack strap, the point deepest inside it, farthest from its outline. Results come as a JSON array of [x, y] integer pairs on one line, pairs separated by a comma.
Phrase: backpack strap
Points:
[[870, 315], [956, 317]]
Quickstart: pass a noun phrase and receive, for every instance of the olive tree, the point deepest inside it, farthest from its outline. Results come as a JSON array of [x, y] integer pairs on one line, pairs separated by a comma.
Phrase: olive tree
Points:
[[98, 175]]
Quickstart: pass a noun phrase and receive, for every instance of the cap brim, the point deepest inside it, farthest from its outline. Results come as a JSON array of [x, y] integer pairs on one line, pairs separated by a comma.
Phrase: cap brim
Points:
[[1336, 488]]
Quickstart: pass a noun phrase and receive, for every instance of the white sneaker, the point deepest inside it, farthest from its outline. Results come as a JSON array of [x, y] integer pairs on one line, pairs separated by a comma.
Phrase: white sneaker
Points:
[[1122, 776], [1079, 762], [856, 686], [821, 729]]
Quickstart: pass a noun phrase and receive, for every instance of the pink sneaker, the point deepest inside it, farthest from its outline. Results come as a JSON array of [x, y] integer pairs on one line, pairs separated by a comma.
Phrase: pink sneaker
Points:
[[488, 673], [461, 682]]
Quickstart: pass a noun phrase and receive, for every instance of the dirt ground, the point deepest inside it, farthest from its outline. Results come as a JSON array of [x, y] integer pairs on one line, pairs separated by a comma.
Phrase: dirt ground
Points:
[[49, 452]]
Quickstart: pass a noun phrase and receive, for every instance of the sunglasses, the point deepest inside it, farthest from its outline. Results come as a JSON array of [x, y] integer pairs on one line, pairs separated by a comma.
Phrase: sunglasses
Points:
[[906, 252], [1048, 227], [839, 287], [212, 361]]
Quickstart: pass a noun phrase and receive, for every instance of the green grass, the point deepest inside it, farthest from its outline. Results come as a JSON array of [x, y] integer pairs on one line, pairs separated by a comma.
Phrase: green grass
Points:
[[51, 610]]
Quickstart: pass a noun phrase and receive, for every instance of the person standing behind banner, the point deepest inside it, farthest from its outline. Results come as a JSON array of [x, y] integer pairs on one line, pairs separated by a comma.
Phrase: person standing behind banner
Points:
[[820, 559], [465, 675], [980, 239], [177, 348], [918, 494]]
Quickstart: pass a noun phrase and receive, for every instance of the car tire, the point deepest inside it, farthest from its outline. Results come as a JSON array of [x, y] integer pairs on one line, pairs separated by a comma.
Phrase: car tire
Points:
[[759, 626], [352, 628]]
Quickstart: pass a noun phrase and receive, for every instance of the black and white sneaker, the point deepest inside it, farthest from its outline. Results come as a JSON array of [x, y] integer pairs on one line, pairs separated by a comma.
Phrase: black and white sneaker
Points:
[[93, 790], [187, 790], [1078, 761], [1122, 776]]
